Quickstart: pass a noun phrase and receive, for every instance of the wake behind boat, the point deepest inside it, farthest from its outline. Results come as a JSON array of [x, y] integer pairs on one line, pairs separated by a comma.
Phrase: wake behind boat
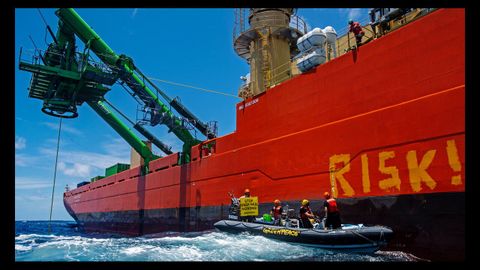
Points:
[[350, 238]]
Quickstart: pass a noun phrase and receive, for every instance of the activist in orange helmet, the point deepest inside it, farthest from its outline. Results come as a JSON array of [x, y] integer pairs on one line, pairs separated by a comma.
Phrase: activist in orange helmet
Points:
[[246, 194], [276, 211]]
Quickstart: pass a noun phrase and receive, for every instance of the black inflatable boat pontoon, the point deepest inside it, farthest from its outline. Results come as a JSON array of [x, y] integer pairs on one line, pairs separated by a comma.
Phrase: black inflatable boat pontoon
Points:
[[350, 238]]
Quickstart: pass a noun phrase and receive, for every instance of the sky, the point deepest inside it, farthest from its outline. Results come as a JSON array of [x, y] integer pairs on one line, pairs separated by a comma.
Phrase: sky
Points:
[[187, 46]]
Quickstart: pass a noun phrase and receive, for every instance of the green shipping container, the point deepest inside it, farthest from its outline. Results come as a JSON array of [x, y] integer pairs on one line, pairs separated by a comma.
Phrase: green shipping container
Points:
[[98, 177], [119, 167]]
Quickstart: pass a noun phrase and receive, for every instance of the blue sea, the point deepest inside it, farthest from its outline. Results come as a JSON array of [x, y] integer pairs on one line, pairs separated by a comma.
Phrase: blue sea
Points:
[[34, 242]]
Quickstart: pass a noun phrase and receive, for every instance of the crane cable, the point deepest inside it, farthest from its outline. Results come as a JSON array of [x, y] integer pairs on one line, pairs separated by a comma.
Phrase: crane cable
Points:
[[194, 87], [41, 15], [54, 177], [170, 82], [48, 27]]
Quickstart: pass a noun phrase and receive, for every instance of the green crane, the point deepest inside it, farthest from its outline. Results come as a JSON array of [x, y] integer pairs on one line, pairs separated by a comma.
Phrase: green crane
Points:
[[65, 79], [123, 131]]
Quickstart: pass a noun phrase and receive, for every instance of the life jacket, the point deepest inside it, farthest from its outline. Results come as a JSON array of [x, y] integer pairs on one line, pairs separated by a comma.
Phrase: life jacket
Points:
[[276, 211], [303, 215], [332, 206]]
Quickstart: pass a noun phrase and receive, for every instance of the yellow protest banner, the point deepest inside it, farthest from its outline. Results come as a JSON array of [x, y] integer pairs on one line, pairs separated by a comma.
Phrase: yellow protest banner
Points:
[[249, 206]]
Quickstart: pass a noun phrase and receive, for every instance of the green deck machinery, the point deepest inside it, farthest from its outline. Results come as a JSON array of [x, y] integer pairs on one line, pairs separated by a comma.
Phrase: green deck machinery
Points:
[[65, 79]]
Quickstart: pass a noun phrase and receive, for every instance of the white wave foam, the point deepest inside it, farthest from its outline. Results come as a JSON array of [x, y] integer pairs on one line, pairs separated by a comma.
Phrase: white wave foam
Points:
[[212, 246], [133, 250], [400, 255], [22, 248], [30, 236]]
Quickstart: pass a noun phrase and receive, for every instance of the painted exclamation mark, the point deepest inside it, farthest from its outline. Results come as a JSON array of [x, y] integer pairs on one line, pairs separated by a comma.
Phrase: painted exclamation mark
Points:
[[454, 162]]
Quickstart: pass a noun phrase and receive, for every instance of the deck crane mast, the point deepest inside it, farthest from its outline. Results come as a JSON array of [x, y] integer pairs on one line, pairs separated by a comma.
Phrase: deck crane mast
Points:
[[65, 78]]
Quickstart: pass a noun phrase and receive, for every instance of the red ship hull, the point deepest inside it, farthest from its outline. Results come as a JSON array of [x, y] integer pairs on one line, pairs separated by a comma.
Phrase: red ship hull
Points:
[[382, 127]]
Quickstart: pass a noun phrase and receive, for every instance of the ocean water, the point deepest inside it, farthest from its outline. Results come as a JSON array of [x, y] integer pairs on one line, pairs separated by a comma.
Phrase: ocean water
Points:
[[33, 242]]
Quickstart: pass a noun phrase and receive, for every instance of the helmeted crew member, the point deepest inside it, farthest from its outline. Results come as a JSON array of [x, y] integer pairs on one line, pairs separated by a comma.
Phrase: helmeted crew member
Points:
[[306, 214], [357, 31], [276, 211], [332, 214], [246, 194]]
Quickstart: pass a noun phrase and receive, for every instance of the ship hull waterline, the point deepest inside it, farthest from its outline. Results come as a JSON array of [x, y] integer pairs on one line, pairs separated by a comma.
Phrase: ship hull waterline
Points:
[[415, 232]]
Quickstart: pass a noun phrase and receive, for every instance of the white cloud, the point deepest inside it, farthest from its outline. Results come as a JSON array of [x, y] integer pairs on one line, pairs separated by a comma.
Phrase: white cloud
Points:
[[350, 13], [65, 128], [354, 13], [77, 163], [31, 198], [31, 183], [84, 158], [116, 146], [20, 142], [76, 169], [23, 160], [64, 141]]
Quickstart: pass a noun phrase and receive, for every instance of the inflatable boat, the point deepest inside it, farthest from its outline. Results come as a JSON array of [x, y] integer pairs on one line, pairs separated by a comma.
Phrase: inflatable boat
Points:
[[350, 238]]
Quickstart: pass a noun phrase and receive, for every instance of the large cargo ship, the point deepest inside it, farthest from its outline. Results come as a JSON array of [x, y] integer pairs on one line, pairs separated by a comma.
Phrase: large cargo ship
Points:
[[381, 126]]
